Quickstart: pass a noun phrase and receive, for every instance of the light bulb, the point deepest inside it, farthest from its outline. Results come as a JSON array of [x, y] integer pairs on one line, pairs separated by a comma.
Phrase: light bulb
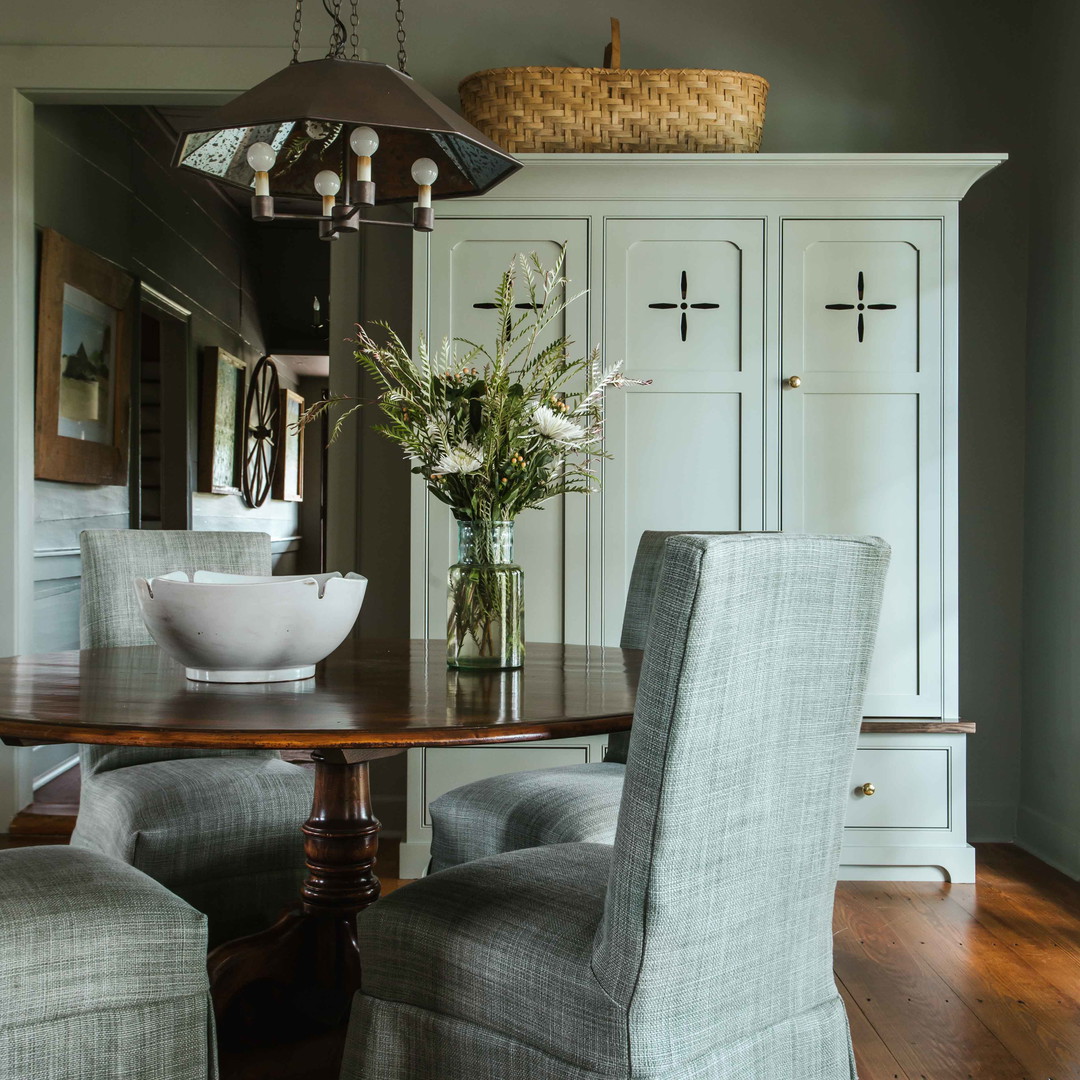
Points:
[[425, 172], [364, 141], [261, 156], [327, 184]]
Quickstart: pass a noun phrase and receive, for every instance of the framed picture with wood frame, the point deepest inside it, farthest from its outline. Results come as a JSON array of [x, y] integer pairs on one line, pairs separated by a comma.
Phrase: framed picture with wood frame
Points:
[[221, 408], [86, 316], [289, 478]]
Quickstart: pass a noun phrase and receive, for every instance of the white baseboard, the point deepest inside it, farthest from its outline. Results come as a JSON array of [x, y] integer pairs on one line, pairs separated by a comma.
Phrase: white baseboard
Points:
[[1049, 840], [53, 773], [944, 862], [892, 873], [991, 822]]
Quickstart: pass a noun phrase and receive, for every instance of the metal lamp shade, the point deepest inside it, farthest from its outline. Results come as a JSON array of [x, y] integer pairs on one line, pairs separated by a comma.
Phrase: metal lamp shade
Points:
[[306, 113]]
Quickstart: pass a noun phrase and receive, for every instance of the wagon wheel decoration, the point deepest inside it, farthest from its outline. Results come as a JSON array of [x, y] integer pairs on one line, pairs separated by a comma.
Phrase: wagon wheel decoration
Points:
[[260, 432]]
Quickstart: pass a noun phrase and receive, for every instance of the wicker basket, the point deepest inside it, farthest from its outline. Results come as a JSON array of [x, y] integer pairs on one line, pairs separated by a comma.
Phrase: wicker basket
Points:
[[611, 108]]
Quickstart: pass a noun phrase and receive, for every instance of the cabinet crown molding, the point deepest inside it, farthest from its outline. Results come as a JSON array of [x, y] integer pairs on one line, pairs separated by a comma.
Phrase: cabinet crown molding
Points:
[[751, 177]]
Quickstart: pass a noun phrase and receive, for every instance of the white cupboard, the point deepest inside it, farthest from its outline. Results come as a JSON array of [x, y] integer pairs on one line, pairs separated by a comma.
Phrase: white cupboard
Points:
[[797, 318]]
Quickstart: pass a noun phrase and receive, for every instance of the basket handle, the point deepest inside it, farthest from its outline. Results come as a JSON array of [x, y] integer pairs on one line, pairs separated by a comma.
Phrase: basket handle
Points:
[[613, 51]]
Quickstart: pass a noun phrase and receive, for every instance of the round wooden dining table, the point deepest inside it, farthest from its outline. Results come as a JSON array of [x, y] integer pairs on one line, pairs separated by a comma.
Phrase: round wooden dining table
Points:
[[282, 996]]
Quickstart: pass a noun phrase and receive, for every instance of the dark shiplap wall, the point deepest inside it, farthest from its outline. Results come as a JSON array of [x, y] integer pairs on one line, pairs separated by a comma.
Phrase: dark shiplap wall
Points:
[[102, 178]]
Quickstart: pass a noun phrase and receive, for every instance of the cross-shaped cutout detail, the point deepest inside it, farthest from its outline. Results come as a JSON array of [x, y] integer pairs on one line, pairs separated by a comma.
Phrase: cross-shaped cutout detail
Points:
[[683, 306], [860, 307]]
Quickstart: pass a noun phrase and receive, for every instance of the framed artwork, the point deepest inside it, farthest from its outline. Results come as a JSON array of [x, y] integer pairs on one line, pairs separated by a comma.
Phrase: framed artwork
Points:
[[221, 405], [289, 479], [86, 312]]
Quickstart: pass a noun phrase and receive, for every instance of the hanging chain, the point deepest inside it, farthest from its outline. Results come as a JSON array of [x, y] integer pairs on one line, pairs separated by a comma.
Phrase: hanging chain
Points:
[[401, 56], [297, 25], [354, 37], [337, 32]]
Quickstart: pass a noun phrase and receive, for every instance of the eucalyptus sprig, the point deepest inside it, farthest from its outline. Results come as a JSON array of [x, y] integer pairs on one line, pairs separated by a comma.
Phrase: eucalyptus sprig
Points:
[[494, 430]]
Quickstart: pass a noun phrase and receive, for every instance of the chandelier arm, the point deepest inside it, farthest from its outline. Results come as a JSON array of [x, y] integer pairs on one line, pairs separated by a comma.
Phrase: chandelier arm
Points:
[[355, 212], [297, 23], [402, 58]]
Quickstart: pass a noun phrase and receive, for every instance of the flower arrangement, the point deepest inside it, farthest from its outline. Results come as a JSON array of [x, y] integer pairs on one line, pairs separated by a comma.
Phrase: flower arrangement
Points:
[[496, 430]]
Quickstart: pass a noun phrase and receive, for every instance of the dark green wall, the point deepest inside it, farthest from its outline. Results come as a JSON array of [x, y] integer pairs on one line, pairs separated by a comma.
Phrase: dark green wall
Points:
[[1049, 819]]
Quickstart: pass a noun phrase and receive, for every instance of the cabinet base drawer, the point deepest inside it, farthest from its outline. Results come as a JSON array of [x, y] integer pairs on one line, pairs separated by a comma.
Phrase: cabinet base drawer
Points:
[[894, 788]]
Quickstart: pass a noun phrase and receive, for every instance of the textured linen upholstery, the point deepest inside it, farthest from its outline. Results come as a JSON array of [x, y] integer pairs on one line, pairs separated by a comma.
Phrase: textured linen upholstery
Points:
[[103, 973], [220, 828], [644, 579], [699, 945], [565, 804]]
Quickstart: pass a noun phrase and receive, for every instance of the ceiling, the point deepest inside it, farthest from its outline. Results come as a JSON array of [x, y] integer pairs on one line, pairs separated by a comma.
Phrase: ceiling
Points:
[[305, 366]]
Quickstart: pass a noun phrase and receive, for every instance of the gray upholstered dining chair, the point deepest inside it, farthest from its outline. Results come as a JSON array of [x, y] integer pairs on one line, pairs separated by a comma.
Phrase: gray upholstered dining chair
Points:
[[699, 945], [103, 972], [220, 828], [562, 805]]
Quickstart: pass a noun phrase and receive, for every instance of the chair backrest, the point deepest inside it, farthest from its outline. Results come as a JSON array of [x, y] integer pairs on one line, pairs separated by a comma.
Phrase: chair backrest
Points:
[[113, 558], [644, 578], [717, 920], [109, 614]]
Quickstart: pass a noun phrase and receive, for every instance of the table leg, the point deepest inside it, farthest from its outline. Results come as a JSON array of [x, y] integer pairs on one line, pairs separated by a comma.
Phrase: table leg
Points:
[[282, 996]]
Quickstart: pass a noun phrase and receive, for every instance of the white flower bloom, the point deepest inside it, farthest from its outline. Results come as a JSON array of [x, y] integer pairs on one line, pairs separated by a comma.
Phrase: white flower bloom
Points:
[[460, 459], [555, 426]]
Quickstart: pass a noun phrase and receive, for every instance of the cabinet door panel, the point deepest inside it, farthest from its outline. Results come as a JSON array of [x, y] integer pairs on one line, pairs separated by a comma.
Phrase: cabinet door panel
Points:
[[683, 306], [863, 442], [684, 298], [864, 319], [861, 475], [667, 469], [465, 259]]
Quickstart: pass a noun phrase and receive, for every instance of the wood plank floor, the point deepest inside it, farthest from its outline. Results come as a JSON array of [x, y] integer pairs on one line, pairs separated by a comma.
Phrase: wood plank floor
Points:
[[964, 982], [941, 982]]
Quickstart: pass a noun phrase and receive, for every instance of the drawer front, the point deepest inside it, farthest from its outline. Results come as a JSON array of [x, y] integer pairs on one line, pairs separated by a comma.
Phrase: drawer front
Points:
[[911, 789], [450, 767]]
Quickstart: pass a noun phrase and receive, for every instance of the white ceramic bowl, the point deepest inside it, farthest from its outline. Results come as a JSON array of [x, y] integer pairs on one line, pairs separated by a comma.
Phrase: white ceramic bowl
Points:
[[238, 629]]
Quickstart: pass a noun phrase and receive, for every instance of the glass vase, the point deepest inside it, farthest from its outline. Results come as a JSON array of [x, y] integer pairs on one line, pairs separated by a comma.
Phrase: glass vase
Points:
[[485, 624]]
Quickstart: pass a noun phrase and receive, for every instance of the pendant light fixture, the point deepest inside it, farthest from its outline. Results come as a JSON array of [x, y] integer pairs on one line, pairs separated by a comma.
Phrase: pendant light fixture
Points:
[[346, 132]]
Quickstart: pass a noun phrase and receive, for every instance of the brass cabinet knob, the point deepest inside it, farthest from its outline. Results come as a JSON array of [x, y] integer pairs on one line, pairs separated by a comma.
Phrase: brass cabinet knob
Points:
[[868, 789], [794, 382]]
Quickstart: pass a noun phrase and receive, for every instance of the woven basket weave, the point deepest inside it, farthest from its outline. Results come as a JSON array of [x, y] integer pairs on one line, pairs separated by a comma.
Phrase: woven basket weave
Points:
[[549, 109]]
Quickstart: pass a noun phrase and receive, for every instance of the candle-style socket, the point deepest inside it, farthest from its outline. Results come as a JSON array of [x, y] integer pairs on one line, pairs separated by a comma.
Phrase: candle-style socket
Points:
[[327, 230], [262, 207], [344, 218], [423, 219], [364, 193]]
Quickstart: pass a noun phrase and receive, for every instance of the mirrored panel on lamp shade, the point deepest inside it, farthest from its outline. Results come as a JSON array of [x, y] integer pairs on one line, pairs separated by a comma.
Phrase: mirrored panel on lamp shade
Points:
[[305, 148]]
